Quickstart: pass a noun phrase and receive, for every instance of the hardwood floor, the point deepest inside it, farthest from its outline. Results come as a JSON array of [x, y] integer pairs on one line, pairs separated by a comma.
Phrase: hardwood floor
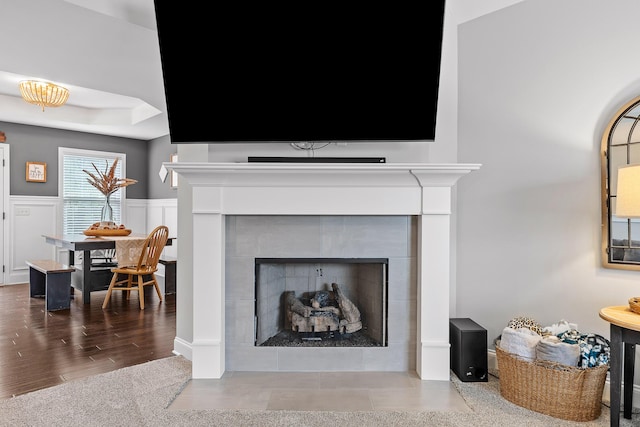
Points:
[[40, 349]]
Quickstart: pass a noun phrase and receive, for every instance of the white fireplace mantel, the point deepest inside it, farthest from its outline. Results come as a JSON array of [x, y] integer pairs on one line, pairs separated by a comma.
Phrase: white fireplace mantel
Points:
[[220, 189]]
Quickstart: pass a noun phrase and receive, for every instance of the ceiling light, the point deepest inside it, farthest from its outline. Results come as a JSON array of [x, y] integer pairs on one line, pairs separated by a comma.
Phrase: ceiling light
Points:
[[44, 94]]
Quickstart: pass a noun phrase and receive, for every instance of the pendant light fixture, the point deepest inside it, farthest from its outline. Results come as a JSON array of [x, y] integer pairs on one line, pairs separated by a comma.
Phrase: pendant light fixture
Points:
[[44, 94]]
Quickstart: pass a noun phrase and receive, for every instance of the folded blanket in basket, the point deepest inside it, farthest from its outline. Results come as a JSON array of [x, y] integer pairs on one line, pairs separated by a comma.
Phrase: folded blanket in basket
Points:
[[521, 342], [594, 348], [553, 349], [559, 328]]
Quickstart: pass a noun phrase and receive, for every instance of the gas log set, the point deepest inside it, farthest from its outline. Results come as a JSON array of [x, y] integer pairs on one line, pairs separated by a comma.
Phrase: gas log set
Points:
[[328, 312], [326, 319]]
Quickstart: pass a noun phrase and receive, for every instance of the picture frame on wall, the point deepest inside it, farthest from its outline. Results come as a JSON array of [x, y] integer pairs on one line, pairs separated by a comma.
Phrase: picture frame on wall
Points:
[[174, 176], [36, 172]]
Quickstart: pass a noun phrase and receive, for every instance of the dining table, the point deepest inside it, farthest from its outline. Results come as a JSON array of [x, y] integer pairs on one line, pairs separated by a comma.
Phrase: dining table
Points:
[[87, 278], [624, 336]]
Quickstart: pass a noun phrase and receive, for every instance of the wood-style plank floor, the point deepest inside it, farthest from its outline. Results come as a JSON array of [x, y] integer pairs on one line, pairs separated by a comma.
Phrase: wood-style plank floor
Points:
[[40, 349]]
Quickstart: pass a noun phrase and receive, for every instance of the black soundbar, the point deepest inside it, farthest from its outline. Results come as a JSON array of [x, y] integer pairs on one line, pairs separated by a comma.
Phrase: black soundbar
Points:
[[252, 159]]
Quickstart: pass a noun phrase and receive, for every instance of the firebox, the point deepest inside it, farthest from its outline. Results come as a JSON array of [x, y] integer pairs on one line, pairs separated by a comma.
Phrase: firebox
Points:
[[321, 302]]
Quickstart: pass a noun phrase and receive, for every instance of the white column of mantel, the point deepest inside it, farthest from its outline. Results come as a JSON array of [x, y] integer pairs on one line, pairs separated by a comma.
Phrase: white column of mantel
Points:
[[433, 360], [434, 263], [208, 351]]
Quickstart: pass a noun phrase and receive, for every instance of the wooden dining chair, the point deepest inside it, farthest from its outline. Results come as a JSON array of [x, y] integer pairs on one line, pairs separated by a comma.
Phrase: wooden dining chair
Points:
[[133, 278]]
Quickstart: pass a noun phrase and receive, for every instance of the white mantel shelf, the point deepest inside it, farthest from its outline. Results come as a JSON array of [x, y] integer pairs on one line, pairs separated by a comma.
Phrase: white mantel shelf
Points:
[[326, 188], [220, 189], [322, 174]]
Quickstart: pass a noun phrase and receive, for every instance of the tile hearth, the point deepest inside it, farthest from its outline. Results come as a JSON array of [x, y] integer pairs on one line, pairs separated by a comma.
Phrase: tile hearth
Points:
[[345, 391]]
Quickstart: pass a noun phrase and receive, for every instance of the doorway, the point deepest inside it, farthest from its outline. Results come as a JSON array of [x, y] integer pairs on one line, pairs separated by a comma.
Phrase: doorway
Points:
[[4, 203]]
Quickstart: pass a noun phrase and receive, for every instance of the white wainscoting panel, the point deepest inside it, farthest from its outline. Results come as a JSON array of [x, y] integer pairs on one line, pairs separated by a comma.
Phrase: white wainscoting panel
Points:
[[164, 212], [136, 216], [31, 217]]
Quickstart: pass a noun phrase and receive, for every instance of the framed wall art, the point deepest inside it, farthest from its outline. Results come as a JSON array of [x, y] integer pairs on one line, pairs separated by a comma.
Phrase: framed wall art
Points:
[[36, 172]]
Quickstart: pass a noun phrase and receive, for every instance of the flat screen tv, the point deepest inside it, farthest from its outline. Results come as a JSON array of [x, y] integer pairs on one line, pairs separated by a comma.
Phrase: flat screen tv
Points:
[[300, 72]]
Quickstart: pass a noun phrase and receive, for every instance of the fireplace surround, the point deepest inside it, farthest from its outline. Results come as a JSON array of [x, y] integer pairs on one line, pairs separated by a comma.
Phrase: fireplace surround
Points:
[[220, 191]]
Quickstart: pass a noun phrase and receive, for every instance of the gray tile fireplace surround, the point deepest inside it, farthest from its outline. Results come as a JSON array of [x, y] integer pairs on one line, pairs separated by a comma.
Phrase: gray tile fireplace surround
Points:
[[249, 237]]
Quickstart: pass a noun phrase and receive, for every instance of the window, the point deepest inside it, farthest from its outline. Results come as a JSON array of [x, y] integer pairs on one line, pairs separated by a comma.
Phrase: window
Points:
[[82, 202]]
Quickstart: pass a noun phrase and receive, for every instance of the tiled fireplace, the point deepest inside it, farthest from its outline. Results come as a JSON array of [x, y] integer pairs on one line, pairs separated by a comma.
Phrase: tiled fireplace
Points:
[[244, 211], [320, 238]]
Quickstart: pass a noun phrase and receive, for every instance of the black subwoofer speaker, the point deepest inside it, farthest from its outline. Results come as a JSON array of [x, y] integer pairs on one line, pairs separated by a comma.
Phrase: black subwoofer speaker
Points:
[[468, 350]]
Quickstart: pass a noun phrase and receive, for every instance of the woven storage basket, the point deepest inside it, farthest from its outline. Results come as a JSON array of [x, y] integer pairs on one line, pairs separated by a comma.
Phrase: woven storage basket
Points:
[[562, 391]]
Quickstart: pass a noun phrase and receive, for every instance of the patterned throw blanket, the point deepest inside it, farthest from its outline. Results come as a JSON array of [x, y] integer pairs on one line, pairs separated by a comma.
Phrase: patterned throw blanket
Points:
[[594, 349]]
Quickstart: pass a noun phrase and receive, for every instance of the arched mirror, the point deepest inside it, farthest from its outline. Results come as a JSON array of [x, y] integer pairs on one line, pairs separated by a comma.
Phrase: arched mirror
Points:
[[620, 146]]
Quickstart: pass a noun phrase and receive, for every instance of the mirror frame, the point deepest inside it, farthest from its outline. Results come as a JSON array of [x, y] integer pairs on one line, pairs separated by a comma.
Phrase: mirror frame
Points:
[[607, 195]]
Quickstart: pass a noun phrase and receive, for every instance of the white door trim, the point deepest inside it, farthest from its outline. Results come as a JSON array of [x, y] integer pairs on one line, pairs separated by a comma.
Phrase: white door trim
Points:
[[4, 205]]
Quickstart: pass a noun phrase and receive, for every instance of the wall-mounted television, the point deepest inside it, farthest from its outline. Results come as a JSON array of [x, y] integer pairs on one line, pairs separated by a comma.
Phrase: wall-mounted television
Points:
[[301, 72]]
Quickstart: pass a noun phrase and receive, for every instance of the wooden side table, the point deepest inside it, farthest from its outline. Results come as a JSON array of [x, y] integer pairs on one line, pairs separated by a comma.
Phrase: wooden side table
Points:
[[625, 330]]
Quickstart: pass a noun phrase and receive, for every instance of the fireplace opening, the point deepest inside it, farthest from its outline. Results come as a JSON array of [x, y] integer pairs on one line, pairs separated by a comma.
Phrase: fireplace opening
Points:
[[321, 302]]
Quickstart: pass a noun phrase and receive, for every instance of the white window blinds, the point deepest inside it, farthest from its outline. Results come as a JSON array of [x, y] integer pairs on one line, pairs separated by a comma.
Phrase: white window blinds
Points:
[[82, 202]]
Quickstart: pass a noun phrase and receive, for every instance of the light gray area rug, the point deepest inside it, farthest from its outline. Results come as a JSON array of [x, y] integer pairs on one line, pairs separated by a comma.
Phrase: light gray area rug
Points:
[[140, 395]]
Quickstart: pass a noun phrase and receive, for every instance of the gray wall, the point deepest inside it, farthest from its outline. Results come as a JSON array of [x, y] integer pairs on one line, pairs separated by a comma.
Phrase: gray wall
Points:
[[538, 82], [160, 150], [40, 144]]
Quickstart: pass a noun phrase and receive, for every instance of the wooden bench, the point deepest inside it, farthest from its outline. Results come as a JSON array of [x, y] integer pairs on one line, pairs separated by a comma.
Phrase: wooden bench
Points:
[[169, 274], [51, 280]]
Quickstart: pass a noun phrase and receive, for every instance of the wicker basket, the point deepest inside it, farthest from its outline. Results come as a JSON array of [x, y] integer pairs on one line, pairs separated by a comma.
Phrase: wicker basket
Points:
[[565, 392]]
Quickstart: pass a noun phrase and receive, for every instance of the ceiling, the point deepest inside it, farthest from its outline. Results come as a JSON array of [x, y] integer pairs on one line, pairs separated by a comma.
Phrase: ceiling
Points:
[[105, 52]]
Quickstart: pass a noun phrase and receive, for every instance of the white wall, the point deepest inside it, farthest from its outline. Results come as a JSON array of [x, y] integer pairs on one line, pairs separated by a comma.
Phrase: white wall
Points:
[[31, 217], [395, 152], [445, 148], [538, 82]]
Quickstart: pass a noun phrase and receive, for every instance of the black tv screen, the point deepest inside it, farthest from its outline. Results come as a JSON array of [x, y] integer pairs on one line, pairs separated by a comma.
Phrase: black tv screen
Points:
[[301, 72]]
